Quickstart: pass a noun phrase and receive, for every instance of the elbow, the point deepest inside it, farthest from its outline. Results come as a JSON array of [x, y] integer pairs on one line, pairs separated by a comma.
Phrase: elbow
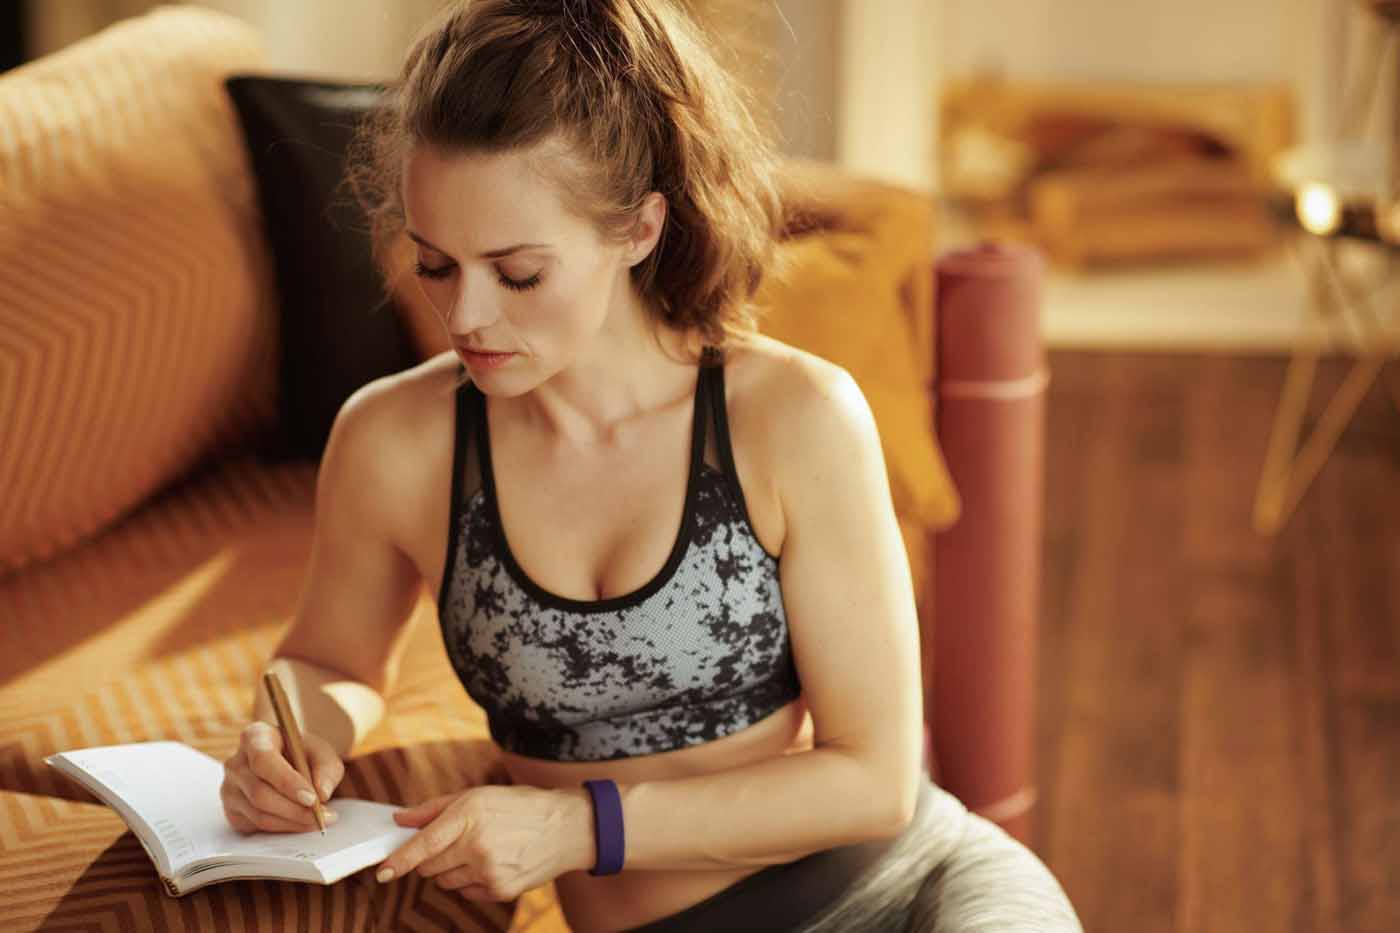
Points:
[[893, 797], [897, 822], [902, 805]]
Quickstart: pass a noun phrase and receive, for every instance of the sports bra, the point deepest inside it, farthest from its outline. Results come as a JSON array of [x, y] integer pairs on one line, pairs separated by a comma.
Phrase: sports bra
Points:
[[697, 653]]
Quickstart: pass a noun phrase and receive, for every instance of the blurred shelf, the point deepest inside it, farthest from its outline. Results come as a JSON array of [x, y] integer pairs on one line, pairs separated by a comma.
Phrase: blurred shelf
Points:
[[1227, 306]]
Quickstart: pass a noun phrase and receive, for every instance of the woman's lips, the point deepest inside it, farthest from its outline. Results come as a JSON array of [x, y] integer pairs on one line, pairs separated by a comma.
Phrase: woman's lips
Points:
[[484, 360]]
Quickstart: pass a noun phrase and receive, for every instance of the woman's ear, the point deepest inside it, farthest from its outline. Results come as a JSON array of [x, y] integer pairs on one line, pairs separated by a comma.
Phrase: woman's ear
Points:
[[646, 229]]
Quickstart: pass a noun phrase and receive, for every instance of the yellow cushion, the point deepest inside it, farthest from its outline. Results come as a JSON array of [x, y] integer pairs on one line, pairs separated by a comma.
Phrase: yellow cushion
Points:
[[139, 336], [837, 301]]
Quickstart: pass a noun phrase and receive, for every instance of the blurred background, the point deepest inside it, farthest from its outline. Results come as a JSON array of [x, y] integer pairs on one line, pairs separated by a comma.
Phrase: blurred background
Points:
[[1215, 188], [1015, 113]]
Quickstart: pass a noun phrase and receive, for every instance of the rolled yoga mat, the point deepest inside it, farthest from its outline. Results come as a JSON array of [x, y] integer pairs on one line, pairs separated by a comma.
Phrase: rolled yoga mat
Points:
[[991, 376]]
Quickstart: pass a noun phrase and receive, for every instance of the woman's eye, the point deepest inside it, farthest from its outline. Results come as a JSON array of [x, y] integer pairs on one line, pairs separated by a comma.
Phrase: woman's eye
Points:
[[428, 273], [527, 284], [442, 273]]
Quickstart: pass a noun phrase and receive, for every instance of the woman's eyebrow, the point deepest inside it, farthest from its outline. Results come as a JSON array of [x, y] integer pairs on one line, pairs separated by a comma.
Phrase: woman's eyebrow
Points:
[[489, 254]]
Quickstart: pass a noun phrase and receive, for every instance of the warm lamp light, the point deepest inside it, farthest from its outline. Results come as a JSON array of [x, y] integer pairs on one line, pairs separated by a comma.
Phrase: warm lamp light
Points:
[[1318, 209]]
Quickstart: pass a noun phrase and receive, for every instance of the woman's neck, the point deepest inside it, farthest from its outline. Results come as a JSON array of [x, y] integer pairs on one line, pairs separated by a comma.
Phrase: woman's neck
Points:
[[593, 401]]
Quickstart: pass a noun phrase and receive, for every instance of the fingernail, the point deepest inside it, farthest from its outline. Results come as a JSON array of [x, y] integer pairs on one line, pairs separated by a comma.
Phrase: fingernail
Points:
[[385, 874], [326, 789], [306, 797]]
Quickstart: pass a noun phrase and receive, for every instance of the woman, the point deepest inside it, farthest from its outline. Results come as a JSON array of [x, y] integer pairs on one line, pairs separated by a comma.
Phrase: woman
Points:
[[668, 539]]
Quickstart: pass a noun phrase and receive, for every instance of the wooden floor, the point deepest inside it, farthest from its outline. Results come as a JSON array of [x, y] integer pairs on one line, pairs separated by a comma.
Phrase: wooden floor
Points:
[[1220, 711]]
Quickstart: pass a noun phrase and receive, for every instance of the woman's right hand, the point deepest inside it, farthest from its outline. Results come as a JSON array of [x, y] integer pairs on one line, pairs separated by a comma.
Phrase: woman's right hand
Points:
[[260, 785]]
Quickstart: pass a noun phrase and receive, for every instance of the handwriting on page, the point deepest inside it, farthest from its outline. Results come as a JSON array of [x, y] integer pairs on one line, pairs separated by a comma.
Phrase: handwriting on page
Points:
[[291, 847]]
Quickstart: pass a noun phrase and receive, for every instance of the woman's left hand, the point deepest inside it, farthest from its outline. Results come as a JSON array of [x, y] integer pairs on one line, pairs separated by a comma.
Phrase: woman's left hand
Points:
[[495, 842]]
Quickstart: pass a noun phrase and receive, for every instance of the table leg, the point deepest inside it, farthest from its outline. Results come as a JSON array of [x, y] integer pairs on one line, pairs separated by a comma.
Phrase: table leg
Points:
[[1285, 478]]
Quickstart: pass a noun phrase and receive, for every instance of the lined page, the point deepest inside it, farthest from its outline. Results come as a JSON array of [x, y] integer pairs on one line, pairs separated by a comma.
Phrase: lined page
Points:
[[174, 788], [361, 822], [170, 785]]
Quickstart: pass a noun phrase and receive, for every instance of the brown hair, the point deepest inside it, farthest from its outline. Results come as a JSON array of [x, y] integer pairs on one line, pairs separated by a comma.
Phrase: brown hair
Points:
[[629, 98]]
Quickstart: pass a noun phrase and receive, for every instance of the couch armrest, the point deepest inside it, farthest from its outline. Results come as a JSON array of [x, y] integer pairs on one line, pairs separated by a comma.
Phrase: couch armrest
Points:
[[140, 332], [990, 418]]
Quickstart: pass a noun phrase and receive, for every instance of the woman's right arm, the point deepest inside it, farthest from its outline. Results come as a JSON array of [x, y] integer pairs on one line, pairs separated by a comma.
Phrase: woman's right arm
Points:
[[339, 656], [337, 708]]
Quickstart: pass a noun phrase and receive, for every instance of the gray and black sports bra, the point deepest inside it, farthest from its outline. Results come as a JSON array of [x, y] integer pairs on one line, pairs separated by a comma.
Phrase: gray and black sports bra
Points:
[[699, 652]]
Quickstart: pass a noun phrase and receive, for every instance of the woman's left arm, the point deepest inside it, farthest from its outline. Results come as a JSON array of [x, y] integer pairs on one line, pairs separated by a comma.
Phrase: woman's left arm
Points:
[[849, 600]]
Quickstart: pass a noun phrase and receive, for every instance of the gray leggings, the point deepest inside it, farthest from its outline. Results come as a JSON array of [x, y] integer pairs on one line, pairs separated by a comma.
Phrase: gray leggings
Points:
[[950, 871]]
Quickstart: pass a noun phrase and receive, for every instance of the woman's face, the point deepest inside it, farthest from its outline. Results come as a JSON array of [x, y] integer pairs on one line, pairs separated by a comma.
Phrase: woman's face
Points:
[[547, 301]]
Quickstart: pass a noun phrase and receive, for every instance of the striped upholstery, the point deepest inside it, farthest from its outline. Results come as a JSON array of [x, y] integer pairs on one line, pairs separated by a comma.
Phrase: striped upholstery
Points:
[[136, 326], [148, 563], [157, 629]]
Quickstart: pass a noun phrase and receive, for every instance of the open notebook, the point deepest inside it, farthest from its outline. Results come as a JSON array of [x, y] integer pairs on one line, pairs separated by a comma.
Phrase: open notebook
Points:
[[168, 793]]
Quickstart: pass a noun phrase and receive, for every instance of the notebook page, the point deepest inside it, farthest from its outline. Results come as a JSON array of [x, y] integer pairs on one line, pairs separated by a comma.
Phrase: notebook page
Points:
[[362, 823], [174, 788], [169, 785]]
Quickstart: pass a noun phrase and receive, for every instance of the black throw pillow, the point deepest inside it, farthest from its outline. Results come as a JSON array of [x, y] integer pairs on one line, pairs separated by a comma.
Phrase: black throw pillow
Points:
[[339, 328]]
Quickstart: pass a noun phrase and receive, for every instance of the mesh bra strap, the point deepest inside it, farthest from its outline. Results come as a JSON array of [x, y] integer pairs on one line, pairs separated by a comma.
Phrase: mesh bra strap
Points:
[[720, 420], [466, 476]]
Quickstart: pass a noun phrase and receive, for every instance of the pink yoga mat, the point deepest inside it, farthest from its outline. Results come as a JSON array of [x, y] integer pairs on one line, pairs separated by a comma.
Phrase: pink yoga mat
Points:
[[991, 377]]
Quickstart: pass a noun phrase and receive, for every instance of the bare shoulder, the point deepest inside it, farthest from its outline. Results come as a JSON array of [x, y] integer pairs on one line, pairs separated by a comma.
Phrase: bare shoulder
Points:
[[792, 413], [392, 413], [791, 395], [388, 437], [366, 570]]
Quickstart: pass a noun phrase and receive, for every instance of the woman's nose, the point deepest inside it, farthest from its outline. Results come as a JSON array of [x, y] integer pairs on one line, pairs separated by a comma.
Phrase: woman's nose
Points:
[[472, 309]]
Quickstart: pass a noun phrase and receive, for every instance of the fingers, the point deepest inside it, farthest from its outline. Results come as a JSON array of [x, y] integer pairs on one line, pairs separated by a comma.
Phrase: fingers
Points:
[[266, 761], [327, 770], [268, 789], [246, 819], [459, 879], [426, 811], [426, 844]]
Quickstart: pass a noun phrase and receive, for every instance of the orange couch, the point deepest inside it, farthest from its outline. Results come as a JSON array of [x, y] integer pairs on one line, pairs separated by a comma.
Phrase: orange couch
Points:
[[150, 560]]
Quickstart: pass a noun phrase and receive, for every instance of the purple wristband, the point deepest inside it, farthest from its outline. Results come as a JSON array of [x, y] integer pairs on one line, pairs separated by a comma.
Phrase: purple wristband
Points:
[[607, 826]]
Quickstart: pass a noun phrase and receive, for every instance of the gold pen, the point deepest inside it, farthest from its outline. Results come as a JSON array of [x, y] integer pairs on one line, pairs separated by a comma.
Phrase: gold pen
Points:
[[291, 738]]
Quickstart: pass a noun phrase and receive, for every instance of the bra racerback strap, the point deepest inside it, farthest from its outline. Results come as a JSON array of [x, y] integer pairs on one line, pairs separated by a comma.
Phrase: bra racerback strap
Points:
[[466, 465], [466, 475], [720, 418]]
